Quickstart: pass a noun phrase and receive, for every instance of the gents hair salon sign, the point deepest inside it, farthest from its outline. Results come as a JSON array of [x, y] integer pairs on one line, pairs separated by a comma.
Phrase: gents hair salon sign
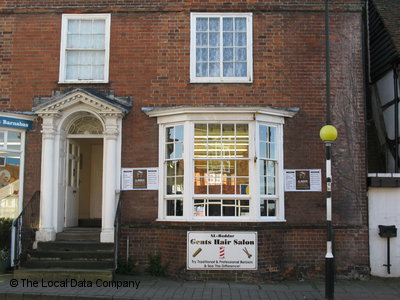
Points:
[[222, 250]]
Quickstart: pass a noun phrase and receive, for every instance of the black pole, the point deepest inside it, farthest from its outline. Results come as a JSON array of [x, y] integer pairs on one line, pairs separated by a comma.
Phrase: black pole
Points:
[[327, 66], [329, 258]]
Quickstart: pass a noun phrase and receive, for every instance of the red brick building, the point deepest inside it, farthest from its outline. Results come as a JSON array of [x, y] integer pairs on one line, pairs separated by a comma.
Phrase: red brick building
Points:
[[209, 108]]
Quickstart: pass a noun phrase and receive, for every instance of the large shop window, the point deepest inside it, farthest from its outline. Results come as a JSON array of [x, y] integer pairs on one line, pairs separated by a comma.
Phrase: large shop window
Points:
[[11, 170], [221, 47], [221, 167], [85, 44]]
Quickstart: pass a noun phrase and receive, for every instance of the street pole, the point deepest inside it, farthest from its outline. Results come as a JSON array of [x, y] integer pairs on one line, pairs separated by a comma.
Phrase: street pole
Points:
[[329, 258]]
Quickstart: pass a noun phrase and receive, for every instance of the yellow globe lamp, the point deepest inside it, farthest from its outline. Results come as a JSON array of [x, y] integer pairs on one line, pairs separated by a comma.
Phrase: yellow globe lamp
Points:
[[328, 133]]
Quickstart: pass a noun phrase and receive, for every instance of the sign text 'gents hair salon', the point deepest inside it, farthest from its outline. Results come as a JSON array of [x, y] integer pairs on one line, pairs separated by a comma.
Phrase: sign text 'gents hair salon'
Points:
[[221, 250]]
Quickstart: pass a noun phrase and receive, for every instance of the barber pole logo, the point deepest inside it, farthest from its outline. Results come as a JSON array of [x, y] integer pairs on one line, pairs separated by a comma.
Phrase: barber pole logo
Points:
[[221, 252]]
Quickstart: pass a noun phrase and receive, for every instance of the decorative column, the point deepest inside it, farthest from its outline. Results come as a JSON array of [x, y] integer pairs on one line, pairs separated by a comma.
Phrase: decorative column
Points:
[[46, 227], [111, 134]]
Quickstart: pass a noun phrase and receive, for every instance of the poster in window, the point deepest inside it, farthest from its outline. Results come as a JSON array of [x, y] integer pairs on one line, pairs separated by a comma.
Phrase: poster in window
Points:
[[2, 161]]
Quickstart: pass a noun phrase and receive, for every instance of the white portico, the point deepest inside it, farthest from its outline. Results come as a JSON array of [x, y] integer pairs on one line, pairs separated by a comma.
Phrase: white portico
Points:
[[72, 122]]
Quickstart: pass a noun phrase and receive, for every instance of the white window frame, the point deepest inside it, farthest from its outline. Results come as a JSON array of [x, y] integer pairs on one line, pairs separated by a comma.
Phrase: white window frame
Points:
[[63, 50], [221, 79], [188, 119]]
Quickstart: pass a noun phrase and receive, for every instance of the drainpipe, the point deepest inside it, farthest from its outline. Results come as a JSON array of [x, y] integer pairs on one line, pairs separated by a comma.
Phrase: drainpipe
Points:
[[396, 118]]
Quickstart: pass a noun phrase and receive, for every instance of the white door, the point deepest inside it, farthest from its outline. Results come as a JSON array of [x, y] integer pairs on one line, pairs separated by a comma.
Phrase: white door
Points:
[[72, 193]]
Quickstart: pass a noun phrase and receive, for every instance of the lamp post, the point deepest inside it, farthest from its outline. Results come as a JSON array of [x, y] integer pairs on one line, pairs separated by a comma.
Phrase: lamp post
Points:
[[328, 135]]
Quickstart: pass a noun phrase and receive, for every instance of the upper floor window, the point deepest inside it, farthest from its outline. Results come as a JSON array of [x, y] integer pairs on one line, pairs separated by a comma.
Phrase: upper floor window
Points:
[[85, 46], [221, 47]]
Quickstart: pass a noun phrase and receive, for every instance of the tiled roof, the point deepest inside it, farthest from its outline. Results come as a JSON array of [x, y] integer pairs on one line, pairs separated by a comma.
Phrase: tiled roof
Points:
[[389, 11]]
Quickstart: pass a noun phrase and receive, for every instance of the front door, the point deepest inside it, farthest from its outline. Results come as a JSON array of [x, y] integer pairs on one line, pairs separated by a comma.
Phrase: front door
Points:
[[72, 192]]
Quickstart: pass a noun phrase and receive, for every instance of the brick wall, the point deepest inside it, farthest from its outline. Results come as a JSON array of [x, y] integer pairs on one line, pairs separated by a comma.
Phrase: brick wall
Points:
[[149, 61]]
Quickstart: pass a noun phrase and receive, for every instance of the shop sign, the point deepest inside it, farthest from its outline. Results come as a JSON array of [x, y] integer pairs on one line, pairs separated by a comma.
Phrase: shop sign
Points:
[[15, 123], [221, 250], [139, 179], [303, 180]]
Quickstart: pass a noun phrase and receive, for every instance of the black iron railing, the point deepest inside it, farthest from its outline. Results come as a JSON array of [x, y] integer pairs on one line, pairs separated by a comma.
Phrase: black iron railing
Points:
[[24, 228], [117, 229]]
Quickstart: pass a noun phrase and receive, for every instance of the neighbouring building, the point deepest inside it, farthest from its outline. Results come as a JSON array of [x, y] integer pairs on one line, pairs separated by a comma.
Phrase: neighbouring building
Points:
[[383, 137], [201, 118]]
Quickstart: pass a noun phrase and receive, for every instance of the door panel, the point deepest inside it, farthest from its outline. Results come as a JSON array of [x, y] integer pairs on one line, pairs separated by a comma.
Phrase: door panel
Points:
[[72, 192]]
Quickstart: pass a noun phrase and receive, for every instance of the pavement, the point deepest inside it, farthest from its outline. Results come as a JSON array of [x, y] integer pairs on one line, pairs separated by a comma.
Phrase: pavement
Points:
[[142, 287]]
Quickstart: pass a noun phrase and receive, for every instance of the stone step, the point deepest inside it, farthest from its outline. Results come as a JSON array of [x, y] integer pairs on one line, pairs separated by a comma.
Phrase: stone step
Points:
[[63, 274], [75, 246], [66, 264], [82, 229], [71, 255], [78, 236]]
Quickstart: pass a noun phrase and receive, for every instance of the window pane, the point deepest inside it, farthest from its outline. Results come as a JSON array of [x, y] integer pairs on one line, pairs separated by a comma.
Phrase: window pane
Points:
[[179, 208], [179, 133], [228, 69], [271, 208], [98, 41], [98, 73], [272, 134], [170, 207], [99, 27], [228, 167], [72, 72], [228, 211], [2, 141], [263, 133], [201, 39], [214, 39], [241, 54], [228, 24], [170, 134], [200, 167], [242, 131], [240, 69], [214, 54], [201, 69], [179, 185], [228, 54], [201, 24], [228, 39], [170, 151], [214, 210], [200, 131], [171, 168], [242, 168], [201, 54], [85, 72], [271, 185], [73, 41], [214, 130], [228, 185], [240, 24], [263, 150], [241, 185], [73, 26], [214, 24], [86, 26], [171, 185], [240, 39], [200, 186], [228, 131], [14, 140], [214, 70]]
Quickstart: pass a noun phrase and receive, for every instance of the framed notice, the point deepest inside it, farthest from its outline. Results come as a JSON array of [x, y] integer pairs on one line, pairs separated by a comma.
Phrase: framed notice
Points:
[[139, 179], [306, 180], [222, 250]]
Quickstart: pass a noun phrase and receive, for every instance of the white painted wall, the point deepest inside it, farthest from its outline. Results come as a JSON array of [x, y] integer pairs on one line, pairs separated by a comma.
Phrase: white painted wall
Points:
[[384, 209]]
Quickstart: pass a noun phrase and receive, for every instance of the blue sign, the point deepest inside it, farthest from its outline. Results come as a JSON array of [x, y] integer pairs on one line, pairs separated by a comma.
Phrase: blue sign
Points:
[[15, 123]]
